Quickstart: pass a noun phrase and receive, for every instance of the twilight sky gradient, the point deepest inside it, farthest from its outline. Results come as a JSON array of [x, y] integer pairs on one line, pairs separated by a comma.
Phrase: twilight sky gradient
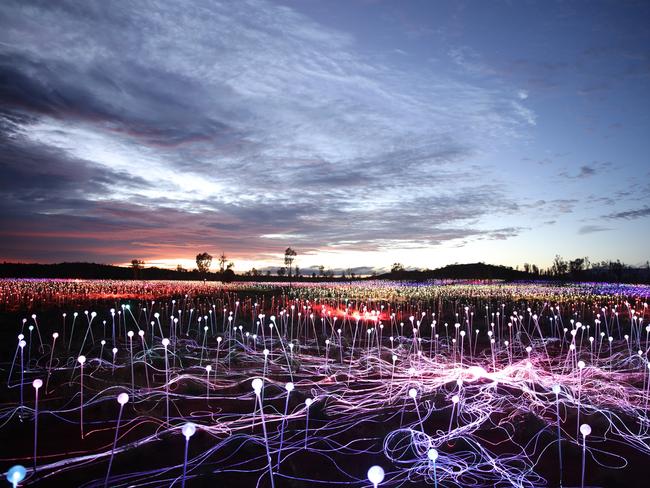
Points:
[[358, 133]]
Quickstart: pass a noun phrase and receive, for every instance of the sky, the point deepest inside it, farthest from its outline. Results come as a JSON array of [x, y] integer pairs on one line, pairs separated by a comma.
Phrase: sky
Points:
[[359, 133]]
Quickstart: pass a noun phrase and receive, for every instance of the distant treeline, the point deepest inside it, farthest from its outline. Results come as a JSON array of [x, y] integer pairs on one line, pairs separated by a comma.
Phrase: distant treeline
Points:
[[575, 270], [561, 270]]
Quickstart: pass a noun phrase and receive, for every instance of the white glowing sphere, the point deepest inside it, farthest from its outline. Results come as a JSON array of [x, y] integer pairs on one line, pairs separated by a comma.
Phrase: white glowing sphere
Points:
[[413, 393], [102, 342], [188, 430], [208, 368], [130, 334], [141, 333], [432, 454], [308, 402], [585, 429], [376, 475], [55, 335], [22, 344], [581, 364], [114, 350], [219, 339], [394, 358], [81, 359], [37, 383], [165, 342], [257, 384], [556, 389], [265, 352], [122, 398], [455, 399], [289, 387]]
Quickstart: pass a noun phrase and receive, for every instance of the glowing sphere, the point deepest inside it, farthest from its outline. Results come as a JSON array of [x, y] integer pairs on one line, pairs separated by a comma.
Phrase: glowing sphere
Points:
[[55, 335], [556, 389], [16, 474], [376, 475], [289, 387], [130, 334], [265, 352], [208, 368], [37, 383], [432, 454], [455, 399], [22, 344], [122, 398], [188, 430], [581, 364], [257, 384], [308, 402], [413, 393], [81, 359], [165, 342], [585, 429], [141, 333]]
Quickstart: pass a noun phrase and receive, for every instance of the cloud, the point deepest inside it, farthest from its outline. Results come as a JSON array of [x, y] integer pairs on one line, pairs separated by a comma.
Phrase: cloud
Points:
[[630, 214], [591, 229], [145, 129]]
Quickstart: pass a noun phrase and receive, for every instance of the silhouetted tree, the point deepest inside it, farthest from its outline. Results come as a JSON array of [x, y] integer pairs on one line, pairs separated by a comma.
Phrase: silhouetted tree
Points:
[[289, 256], [222, 262], [576, 266], [282, 271], [137, 265], [560, 266], [321, 270], [203, 262], [397, 268]]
